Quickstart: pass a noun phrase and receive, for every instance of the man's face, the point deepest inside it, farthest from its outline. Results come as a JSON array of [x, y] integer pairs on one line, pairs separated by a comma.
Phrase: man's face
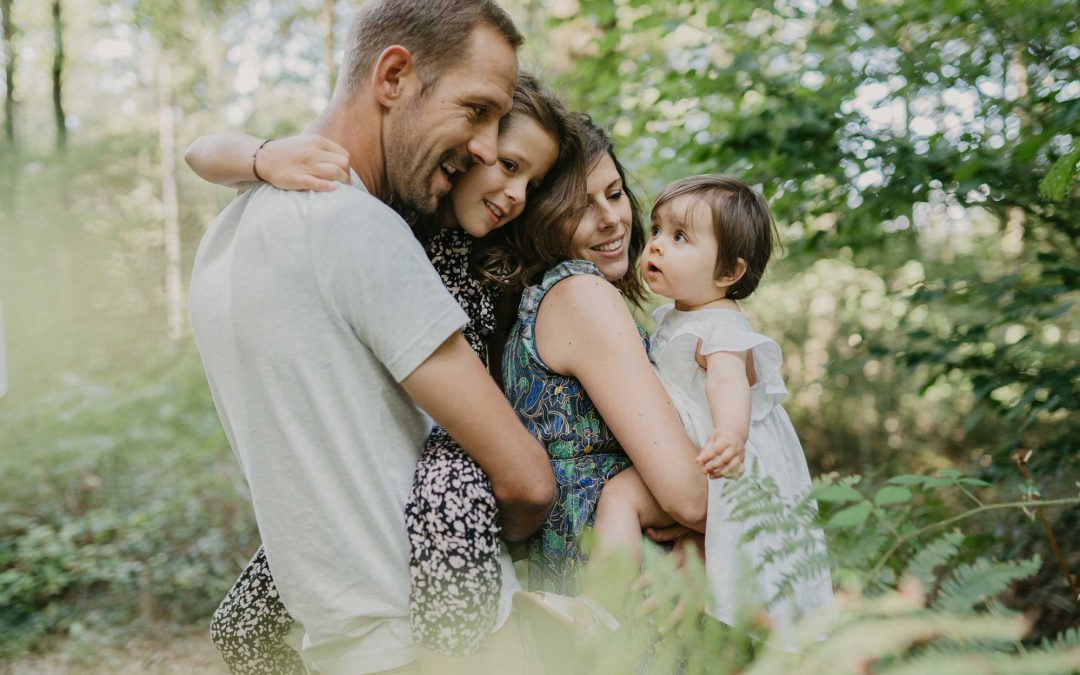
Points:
[[452, 124]]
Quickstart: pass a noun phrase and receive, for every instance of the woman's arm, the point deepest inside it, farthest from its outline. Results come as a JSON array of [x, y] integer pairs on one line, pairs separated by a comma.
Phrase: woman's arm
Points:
[[728, 391], [583, 329], [308, 162]]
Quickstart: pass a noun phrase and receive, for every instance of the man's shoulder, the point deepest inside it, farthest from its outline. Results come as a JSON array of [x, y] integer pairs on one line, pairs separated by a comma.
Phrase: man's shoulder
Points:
[[346, 202], [351, 211]]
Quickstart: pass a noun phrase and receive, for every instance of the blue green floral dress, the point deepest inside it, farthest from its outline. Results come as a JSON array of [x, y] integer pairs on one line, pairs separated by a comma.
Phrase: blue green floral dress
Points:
[[584, 453]]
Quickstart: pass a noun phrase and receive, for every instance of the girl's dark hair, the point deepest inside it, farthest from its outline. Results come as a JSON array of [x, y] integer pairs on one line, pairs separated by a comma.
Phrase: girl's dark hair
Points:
[[499, 257], [548, 245], [741, 221]]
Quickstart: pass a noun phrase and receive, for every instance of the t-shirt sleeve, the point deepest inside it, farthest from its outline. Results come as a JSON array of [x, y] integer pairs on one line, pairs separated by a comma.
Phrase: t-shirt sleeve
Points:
[[376, 278]]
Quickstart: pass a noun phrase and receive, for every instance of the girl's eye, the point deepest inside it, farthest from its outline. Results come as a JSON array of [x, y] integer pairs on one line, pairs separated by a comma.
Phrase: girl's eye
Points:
[[679, 236], [509, 165]]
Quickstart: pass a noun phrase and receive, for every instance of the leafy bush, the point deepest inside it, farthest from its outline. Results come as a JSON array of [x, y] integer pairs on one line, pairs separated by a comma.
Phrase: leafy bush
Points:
[[122, 503], [912, 597]]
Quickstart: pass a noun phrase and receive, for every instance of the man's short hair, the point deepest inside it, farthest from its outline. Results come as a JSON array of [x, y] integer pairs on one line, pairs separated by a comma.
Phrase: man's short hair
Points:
[[435, 31]]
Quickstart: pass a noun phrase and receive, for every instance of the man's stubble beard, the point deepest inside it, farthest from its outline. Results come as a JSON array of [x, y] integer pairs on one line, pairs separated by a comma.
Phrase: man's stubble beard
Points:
[[409, 180]]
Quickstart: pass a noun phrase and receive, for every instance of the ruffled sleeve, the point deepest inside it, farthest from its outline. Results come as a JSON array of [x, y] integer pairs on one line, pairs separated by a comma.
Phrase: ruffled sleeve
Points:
[[726, 331]]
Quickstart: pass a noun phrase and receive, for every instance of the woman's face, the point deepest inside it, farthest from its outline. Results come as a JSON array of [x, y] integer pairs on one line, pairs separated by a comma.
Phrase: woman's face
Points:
[[603, 236], [485, 197]]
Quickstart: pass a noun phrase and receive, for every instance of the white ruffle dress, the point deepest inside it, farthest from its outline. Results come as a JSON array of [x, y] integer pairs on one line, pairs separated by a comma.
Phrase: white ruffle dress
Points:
[[744, 571]]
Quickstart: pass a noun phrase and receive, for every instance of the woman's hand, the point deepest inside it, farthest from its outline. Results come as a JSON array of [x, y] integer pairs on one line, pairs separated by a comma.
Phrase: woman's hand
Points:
[[722, 453], [307, 162]]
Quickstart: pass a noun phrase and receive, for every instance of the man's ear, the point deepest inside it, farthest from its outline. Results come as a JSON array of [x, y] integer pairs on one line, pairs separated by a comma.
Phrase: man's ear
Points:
[[733, 278], [394, 78]]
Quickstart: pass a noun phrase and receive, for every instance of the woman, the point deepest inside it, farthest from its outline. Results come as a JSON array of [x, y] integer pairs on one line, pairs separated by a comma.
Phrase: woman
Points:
[[575, 369]]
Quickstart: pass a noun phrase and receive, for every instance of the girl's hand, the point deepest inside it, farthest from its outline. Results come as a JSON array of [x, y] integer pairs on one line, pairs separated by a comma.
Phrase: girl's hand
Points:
[[308, 162], [722, 454]]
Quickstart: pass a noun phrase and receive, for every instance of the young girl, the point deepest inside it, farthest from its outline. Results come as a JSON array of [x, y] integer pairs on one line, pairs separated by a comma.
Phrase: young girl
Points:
[[710, 241], [451, 514]]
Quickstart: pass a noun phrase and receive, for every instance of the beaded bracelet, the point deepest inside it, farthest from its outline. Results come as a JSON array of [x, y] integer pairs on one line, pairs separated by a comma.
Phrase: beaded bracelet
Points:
[[254, 157]]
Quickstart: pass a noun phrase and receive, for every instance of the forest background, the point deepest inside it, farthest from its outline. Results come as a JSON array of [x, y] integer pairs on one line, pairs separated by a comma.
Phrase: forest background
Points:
[[920, 158]]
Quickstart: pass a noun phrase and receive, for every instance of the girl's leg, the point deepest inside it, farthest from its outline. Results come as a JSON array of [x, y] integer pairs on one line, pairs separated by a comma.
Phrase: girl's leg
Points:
[[452, 522], [250, 625]]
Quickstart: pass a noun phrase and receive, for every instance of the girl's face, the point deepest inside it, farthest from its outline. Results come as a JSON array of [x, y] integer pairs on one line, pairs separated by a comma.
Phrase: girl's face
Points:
[[485, 197], [603, 236], [679, 261]]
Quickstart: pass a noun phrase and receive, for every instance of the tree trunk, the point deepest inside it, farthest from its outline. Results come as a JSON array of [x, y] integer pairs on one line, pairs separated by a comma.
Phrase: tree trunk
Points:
[[170, 206], [57, 75], [9, 70], [326, 17]]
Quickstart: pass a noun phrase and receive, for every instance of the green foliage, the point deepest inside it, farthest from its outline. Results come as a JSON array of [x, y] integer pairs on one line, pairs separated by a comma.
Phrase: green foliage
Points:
[[927, 615], [977, 582], [122, 503], [1055, 185], [924, 564]]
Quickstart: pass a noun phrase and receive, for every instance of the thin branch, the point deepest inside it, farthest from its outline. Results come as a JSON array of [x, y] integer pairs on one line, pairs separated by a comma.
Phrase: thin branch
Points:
[[967, 514], [1021, 458]]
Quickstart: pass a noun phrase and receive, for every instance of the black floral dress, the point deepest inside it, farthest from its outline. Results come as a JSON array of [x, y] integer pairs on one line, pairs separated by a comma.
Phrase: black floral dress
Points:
[[451, 518], [451, 515]]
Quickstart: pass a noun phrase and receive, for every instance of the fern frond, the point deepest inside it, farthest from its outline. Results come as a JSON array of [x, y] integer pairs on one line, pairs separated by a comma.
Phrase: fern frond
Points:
[[1039, 663], [1066, 638], [938, 552], [981, 580]]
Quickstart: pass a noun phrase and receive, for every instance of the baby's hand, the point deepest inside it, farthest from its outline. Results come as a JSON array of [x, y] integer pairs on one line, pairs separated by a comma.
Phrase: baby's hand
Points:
[[308, 162], [722, 454]]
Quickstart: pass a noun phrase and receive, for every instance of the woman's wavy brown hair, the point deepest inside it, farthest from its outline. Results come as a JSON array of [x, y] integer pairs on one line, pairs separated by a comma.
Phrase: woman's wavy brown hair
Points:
[[544, 248], [499, 258]]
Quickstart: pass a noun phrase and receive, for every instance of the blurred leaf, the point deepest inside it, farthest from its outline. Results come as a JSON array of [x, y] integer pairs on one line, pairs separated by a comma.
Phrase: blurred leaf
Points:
[[851, 516], [892, 495], [836, 493]]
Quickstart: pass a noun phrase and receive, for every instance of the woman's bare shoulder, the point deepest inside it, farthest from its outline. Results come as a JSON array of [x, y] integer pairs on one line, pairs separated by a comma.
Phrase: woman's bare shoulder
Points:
[[583, 296], [581, 317]]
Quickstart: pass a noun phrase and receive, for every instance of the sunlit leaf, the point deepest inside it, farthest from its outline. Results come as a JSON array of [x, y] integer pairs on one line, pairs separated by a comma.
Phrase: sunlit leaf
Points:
[[851, 516]]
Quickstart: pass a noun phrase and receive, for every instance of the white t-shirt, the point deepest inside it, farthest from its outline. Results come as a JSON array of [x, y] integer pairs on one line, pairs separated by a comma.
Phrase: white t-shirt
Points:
[[309, 309]]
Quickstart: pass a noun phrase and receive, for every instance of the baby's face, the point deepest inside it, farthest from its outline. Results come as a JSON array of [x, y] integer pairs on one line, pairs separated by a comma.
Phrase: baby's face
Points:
[[679, 261]]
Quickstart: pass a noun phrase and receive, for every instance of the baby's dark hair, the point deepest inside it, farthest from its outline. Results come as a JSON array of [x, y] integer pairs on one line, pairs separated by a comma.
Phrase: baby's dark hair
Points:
[[741, 220]]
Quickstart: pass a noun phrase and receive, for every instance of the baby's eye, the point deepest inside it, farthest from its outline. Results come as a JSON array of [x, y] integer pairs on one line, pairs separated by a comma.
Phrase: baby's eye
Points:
[[509, 165], [679, 236], [654, 231]]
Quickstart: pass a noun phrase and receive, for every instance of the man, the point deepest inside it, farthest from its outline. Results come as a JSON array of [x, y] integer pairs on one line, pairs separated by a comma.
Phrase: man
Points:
[[322, 326]]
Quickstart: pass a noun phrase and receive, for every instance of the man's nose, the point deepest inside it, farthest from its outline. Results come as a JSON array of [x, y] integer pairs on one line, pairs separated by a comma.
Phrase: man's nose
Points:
[[484, 144]]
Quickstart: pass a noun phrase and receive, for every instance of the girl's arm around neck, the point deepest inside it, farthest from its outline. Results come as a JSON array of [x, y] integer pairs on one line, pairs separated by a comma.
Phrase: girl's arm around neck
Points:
[[306, 162], [584, 330]]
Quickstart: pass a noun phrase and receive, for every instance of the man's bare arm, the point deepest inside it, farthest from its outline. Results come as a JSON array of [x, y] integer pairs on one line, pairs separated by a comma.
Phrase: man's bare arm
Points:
[[453, 387]]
